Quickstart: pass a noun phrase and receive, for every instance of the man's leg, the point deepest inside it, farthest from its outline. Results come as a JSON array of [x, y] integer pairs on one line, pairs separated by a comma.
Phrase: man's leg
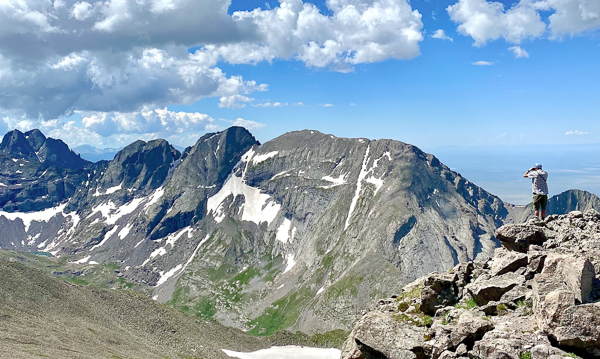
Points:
[[543, 204], [536, 205]]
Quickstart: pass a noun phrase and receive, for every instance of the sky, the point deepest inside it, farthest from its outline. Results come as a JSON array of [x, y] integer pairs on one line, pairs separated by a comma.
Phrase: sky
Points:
[[467, 73]]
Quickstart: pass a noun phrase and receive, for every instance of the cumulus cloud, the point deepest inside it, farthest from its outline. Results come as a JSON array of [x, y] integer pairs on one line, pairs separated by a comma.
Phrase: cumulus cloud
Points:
[[489, 20], [441, 34], [519, 52], [113, 57], [272, 104], [482, 63], [326, 104], [248, 124], [484, 20], [357, 31], [576, 133]]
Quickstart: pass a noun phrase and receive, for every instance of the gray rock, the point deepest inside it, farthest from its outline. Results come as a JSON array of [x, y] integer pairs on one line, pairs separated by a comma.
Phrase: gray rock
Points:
[[518, 237], [439, 290], [381, 334], [494, 288], [507, 261]]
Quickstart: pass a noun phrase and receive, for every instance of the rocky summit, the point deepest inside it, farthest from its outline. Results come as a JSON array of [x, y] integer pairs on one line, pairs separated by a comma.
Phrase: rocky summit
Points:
[[302, 232], [538, 297]]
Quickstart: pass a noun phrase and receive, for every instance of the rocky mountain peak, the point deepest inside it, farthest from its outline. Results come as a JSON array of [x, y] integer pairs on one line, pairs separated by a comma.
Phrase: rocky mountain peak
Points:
[[35, 138], [16, 145], [141, 166], [538, 297]]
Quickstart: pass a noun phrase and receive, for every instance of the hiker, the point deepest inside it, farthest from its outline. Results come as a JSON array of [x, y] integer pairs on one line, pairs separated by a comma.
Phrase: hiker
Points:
[[539, 187]]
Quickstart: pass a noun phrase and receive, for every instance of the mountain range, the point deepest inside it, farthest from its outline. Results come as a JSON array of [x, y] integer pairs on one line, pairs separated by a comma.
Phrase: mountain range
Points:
[[302, 232]]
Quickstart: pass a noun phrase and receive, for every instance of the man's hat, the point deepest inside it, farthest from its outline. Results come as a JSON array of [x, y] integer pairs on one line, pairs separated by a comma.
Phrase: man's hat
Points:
[[538, 166]]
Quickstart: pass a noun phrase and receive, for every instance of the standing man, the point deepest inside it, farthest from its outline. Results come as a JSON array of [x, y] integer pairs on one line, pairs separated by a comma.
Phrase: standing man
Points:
[[539, 187]]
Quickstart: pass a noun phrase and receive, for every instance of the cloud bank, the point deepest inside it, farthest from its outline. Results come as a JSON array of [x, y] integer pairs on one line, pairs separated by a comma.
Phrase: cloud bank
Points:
[[122, 59], [489, 20]]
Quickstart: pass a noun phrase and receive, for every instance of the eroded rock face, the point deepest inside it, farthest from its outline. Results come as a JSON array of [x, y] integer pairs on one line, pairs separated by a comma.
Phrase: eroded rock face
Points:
[[539, 291]]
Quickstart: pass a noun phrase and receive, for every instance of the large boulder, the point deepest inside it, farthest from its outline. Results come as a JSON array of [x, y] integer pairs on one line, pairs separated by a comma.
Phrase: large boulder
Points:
[[576, 272], [470, 327], [492, 289], [439, 290], [378, 335], [578, 326], [505, 261], [518, 237]]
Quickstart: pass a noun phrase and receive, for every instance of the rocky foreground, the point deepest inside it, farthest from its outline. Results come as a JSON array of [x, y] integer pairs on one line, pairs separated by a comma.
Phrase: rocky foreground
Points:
[[537, 298]]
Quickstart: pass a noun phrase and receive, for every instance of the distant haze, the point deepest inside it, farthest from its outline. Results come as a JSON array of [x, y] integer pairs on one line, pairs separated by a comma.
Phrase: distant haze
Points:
[[500, 169]]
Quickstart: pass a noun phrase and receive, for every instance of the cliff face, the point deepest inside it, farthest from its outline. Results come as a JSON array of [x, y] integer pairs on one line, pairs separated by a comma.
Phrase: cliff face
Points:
[[538, 297], [301, 232]]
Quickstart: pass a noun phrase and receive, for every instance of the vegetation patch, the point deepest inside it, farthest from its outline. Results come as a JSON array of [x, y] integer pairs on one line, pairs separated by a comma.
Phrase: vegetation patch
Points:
[[347, 285], [330, 339], [468, 304], [281, 314]]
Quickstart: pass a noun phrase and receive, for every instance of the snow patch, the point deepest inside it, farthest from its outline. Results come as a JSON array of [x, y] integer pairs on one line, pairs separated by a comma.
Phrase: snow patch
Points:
[[283, 232], [113, 189], [258, 207], [154, 198], [125, 231], [288, 352], [261, 158], [106, 237], [290, 263], [28, 217], [361, 177], [341, 180], [125, 210], [82, 260], [164, 277], [377, 182], [158, 252], [180, 269], [282, 174]]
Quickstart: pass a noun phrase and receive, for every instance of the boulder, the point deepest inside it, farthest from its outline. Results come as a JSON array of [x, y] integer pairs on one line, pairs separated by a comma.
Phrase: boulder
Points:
[[378, 335], [578, 326], [470, 326], [576, 272], [494, 288], [439, 290], [505, 261], [518, 237]]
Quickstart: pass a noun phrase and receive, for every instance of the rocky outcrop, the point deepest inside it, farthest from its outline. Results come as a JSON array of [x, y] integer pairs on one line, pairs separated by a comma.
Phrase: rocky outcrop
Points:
[[538, 297]]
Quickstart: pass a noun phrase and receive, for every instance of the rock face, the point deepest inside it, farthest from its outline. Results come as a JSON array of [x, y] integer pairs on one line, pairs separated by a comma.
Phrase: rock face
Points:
[[543, 303], [37, 173], [301, 232]]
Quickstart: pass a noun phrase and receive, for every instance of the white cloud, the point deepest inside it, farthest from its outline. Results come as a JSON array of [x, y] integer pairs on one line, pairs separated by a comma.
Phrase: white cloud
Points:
[[488, 20], [273, 104], [326, 105], [352, 104], [484, 20], [519, 52], [572, 17], [441, 34], [357, 31], [482, 63], [298, 104], [576, 133], [81, 10], [127, 56], [158, 121], [248, 124]]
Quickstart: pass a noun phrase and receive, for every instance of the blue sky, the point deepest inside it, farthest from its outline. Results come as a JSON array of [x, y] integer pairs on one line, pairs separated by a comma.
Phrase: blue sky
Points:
[[468, 73]]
